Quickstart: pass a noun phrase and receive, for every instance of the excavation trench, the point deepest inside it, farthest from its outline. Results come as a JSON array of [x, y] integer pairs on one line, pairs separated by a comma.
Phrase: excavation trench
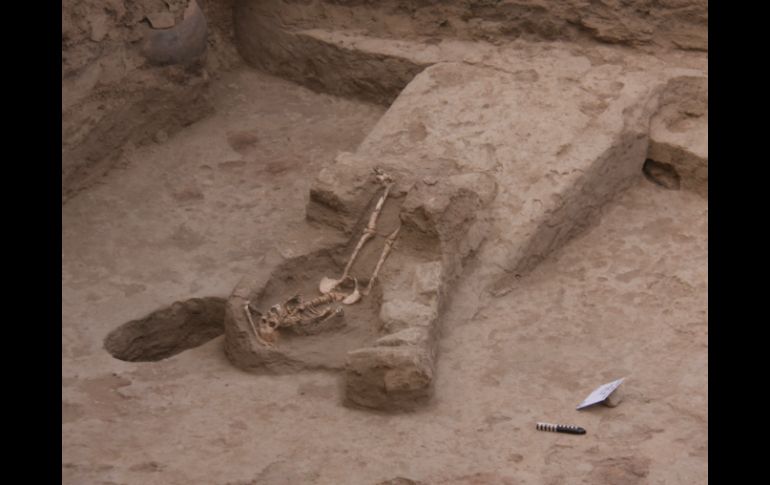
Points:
[[663, 174], [494, 141], [168, 331], [405, 134], [191, 323]]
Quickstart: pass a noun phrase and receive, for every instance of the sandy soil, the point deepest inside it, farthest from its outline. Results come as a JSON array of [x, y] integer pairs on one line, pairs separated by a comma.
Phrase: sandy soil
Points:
[[189, 216]]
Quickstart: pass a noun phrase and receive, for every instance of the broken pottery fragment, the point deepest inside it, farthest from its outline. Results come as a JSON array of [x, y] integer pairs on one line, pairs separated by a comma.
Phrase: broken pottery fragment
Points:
[[180, 44], [161, 20]]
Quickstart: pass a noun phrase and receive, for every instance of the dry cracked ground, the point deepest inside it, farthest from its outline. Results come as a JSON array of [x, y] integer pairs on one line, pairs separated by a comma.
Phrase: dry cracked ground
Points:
[[189, 213]]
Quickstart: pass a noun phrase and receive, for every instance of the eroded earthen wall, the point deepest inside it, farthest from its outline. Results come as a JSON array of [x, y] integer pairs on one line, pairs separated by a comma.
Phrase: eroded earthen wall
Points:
[[118, 90]]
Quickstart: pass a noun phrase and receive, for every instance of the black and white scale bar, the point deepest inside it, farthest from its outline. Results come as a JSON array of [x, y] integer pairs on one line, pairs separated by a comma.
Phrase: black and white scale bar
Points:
[[560, 428]]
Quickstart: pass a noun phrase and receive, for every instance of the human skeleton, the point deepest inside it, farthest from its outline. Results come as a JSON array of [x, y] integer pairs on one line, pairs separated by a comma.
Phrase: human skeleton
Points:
[[316, 315]]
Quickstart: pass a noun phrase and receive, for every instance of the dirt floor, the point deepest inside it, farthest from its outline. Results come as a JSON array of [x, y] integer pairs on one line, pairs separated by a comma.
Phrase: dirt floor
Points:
[[189, 216]]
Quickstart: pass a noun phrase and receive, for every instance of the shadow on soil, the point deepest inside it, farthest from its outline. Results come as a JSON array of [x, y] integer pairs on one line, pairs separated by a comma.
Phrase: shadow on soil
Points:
[[168, 331]]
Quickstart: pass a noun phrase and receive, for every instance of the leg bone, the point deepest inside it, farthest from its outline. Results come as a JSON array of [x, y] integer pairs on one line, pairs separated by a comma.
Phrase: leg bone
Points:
[[385, 251], [328, 284]]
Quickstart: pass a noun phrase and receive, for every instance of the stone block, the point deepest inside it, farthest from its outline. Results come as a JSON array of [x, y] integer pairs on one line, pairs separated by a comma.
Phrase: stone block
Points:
[[427, 278], [408, 336], [401, 314], [389, 378]]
